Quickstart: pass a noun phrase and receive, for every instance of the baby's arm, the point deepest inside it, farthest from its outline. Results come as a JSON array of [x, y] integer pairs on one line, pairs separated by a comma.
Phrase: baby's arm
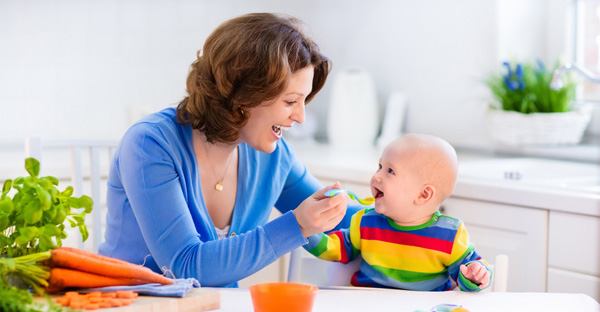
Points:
[[477, 273], [469, 270], [342, 245]]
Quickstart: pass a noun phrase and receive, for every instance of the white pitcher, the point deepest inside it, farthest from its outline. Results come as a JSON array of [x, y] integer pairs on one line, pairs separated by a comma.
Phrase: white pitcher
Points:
[[353, 110]]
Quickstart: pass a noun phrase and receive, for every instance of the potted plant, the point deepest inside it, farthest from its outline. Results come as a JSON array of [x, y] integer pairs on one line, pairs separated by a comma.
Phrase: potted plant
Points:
[[526, 111], [33, 219]]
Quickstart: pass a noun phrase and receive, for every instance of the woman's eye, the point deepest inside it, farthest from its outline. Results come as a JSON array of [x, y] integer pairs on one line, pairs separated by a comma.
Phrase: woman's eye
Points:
[[291, 102]]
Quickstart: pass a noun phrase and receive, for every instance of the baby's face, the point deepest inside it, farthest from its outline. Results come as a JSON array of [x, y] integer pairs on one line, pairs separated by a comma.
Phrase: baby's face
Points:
[[397, 184]]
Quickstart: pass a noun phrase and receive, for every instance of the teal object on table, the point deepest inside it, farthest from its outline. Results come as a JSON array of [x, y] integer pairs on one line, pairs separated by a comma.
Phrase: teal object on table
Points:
[[363, 201], [181, 287], [445, 307]]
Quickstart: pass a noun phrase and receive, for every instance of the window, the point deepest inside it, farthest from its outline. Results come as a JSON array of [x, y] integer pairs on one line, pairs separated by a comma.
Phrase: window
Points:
[[587, 45]]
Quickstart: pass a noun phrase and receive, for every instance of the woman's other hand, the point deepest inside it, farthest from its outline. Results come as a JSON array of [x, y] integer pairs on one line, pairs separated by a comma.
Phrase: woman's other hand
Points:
[[319, 213]]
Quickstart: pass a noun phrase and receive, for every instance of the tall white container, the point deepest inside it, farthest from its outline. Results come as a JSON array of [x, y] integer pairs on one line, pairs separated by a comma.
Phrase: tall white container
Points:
[[353, 110]]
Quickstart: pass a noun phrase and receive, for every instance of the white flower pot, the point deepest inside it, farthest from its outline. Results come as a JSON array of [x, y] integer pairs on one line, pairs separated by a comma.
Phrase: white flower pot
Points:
[[516, 129]]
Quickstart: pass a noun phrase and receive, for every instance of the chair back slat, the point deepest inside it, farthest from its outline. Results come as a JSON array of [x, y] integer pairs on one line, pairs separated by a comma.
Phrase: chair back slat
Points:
[[87, 172]]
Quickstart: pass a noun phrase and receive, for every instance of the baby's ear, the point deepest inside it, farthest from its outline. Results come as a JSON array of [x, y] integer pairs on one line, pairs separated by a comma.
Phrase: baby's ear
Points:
[[426, 194]]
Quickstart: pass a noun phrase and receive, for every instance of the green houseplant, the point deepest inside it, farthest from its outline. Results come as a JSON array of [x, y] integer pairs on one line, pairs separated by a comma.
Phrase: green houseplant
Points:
[[526, 111], [525, 88], [33, 220]]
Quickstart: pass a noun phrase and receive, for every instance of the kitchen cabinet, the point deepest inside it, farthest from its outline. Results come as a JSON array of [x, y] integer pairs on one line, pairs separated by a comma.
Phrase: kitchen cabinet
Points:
[[518, 232], [574, 254]]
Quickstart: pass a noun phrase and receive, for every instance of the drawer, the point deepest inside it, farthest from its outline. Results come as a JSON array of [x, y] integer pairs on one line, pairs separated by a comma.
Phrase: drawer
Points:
[[574, 243]]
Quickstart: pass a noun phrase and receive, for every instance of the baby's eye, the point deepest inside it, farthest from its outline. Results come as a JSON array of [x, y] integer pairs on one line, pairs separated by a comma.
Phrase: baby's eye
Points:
[[390, 170], [379, 167]]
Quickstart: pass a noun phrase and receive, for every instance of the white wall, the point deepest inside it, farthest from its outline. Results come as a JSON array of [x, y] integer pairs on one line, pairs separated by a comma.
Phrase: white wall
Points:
[[87, 69]]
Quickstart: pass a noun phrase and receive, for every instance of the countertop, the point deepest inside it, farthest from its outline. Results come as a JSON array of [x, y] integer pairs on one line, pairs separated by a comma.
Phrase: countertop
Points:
[[546, 184], [361, 299], [369, 299]]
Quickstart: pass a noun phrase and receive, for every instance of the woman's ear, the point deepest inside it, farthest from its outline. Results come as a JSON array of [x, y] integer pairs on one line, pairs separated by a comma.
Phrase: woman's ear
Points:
[[426, 194]]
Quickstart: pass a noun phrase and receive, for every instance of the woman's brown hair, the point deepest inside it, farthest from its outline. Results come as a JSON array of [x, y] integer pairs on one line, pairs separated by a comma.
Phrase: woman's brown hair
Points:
[[244, 62]]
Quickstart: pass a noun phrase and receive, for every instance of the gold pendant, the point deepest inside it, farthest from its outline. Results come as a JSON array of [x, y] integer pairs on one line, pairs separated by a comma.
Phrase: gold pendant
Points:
[[219, 186]]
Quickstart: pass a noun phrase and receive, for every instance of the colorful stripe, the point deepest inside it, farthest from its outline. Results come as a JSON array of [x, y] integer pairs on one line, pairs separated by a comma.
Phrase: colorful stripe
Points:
[[404, 238]]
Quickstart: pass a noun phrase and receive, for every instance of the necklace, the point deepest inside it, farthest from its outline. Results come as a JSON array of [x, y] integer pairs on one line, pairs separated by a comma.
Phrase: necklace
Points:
[[219, 185]]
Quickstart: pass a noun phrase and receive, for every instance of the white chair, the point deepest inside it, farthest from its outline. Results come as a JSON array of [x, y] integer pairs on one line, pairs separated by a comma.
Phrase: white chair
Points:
[[87, 172], [308, 269]]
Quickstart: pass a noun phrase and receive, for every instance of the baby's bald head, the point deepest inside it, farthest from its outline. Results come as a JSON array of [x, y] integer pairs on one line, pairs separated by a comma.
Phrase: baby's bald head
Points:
[[433, 160]]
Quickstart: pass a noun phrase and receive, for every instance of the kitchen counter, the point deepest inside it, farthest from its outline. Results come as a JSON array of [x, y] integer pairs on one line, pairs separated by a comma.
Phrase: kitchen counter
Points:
[[361, 299], [539, 183], [368, 299]]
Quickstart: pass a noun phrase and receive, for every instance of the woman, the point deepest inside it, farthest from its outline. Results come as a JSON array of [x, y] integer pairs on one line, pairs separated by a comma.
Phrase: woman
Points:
[[191, 189]]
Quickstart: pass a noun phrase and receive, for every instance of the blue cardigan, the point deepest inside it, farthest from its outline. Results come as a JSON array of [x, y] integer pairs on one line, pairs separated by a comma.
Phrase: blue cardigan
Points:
[[156, 213]]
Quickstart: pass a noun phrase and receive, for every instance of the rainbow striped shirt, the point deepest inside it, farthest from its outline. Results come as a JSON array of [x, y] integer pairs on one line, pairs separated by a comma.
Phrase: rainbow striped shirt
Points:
[[424, 257]]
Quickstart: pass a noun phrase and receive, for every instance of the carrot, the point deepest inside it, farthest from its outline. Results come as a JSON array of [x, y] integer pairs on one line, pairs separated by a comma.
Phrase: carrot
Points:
[[95, 300], [91, 306], [61, 278], [126, 294], [92, 263], [93, 255]]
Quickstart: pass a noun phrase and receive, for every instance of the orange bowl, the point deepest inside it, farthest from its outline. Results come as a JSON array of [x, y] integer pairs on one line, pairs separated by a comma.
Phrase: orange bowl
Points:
[[278, 297]]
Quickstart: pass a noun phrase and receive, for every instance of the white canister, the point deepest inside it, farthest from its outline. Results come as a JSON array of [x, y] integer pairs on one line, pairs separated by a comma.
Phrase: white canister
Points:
[[353, 110]]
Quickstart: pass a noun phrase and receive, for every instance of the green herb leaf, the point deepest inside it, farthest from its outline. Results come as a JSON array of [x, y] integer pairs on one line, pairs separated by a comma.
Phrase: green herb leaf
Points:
[[6, 187], [51, 230], [84, 232], [32, 166], [68, 191], [4, 223], [46, 243], [6, 206], [28, 232], [32, 213], [61, 214]]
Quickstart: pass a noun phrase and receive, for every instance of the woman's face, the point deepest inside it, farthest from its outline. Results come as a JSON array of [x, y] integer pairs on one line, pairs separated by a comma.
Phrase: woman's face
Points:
[[268, 120]]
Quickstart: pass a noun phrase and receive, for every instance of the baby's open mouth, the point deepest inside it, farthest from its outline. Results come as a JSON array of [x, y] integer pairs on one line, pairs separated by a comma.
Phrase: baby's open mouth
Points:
[[378, 194]]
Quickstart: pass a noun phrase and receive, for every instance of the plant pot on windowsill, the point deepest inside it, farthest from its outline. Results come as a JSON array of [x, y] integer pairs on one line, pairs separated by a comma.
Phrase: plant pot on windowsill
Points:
[[517, 129], [527, 111]]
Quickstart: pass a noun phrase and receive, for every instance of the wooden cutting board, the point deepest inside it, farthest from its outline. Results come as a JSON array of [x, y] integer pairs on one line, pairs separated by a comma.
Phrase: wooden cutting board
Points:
[[198, 299]]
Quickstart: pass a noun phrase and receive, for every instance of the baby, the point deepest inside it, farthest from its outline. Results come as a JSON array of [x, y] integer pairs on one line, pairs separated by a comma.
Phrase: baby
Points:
[[404, 241]]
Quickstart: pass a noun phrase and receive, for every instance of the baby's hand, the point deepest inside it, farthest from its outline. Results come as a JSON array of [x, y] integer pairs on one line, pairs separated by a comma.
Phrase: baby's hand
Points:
[[476, 273]]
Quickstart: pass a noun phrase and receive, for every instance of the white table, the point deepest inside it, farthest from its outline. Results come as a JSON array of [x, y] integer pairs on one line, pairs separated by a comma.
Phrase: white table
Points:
[[364, 300]]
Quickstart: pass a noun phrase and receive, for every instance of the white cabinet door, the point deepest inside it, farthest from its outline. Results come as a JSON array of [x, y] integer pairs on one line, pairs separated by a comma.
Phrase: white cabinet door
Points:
[[574, 243], [561, 281], [574, 254], [518, 232]]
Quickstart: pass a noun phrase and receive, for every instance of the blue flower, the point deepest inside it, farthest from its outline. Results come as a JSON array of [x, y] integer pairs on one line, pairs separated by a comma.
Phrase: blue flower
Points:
[[519, 74], [514, 81], [509, 71]]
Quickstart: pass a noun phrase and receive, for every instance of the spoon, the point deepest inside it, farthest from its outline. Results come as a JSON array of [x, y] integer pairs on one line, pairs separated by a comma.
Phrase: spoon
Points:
[[364, 201]]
